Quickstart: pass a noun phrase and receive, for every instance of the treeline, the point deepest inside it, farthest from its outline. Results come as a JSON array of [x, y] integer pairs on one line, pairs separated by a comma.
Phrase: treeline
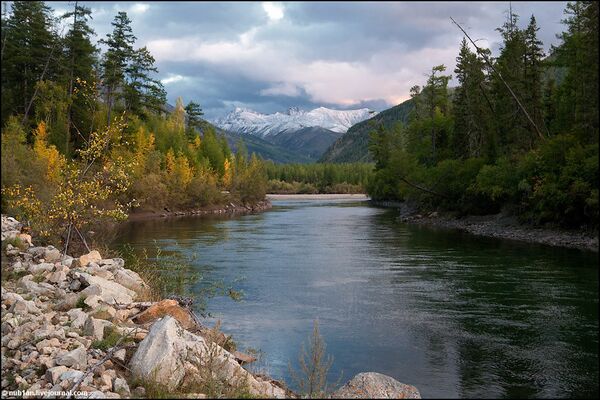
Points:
[[519, 133], [78, 122], [318, 178]]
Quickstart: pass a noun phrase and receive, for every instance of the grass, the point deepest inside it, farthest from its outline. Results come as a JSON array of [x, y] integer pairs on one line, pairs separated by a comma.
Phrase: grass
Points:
[[81, 304], [111, 338], [15, 242], [10, 275]]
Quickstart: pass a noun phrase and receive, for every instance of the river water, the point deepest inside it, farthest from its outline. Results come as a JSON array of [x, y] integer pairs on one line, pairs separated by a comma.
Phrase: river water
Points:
[[452, 314]]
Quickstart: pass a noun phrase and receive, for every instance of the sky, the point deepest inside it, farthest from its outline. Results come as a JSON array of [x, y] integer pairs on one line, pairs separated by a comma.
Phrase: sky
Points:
[[269, 56]]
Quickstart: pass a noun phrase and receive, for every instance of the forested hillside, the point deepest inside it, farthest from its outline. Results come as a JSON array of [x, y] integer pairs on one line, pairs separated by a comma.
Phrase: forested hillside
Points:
[[511, 137], [86, 135], [353, 145]]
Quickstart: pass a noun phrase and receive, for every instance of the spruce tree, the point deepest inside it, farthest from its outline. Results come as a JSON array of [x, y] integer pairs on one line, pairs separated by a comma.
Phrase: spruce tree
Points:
[[82, 55], [29, 49], [119, 53]]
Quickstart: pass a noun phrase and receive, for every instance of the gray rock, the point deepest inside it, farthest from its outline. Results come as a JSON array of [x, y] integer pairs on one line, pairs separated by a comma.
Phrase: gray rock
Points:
[[110, 292], [169, 352], [41, 267], [130, 279], [119, 355], [76, 358], [94, 327], [10, 298], [51, 254], [57, 277], [53, 374], [24, 307], [77, 317], [120, 386], [372, 385]]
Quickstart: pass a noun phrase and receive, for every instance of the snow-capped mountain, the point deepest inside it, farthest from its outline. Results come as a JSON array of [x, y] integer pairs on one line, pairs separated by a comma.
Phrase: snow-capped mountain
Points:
[[242, 120]]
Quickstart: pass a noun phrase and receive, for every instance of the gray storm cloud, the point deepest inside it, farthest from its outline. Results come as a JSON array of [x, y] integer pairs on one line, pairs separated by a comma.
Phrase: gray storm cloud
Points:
[[276, 55]]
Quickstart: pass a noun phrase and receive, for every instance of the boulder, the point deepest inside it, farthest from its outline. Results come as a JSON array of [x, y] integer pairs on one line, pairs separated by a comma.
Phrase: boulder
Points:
[[42, 289], [53, 374], [51, 254], [169, 352], [56, 277], [92, 256], [94, 327], [372, 385], [120, 386], [76, 358], [77, 317], [23, 307], [110, 292], [10, 298], [166, 307], [42, 267], [130, 279]]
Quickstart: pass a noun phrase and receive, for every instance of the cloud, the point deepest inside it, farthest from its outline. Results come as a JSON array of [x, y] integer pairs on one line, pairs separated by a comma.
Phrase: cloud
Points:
[[270, 55], [172, 79], [274, 10], [139, 8]]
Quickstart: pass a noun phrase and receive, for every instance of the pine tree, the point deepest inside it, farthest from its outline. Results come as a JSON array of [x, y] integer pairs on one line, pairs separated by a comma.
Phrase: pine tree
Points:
[[514, 131], [472, 127], [142, 92], [532, 85], [119, 53], [578, 52], [28, 55], [81, 54], [194, 120]]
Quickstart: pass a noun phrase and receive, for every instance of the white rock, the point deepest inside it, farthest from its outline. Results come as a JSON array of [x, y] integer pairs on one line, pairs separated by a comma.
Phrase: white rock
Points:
[[10, 298], [77, 317], [41, 267], [51, 254], [119, 355], [372, 385], [24, 307], [76, 358], [57, 277], [94, 327], [120, 386], [110, 292], [130, 279], [168, 353]]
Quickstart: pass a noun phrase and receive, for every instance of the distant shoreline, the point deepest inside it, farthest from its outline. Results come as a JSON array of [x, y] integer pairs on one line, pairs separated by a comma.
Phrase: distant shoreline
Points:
[[339, 196]]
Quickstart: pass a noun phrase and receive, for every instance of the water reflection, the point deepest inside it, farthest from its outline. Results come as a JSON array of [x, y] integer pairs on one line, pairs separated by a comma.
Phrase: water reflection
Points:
[[455, 315]]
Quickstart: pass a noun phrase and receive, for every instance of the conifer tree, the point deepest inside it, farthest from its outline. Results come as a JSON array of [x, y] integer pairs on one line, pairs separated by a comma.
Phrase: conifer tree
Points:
[[81, 54], [119, 53], [29, 46]]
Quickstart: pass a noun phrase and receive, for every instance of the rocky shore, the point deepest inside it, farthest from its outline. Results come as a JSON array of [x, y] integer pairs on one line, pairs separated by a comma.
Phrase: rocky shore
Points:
[[82, 327], [499, 226], [228, 209]]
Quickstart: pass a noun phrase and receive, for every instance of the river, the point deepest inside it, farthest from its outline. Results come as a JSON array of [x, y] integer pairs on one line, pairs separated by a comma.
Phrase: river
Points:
[[452, 314]]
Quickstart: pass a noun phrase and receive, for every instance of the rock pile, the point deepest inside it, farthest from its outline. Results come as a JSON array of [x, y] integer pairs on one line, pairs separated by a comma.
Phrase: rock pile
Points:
[[78, 324]]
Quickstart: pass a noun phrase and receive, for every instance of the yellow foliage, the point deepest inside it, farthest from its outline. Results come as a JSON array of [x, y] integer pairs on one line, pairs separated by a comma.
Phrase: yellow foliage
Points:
[[170, 161], [183, 171], [144, 145], [54, 161], [228, 174]]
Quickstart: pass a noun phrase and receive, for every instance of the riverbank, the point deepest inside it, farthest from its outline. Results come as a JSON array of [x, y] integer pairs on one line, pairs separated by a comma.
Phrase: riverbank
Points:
[[340, 196], [227, 209], [499, 226]]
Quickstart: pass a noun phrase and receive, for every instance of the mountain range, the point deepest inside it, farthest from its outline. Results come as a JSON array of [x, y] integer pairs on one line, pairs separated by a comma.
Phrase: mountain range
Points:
[[303, 135]]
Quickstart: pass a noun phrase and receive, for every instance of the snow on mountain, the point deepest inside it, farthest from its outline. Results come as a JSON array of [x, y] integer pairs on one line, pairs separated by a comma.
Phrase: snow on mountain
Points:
[[243, 120]]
